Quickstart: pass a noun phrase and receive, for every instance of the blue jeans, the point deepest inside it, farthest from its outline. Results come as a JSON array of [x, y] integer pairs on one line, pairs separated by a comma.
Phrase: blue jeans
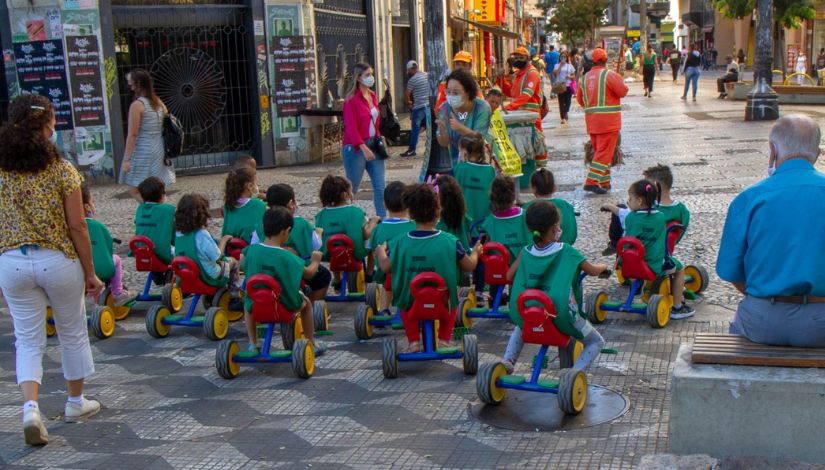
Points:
[[691, 77], [417, 116], [354, 166]]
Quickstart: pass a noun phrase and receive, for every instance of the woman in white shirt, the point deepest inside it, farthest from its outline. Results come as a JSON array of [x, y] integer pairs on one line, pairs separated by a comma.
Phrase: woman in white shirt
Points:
[[564, 73], [801, 67]]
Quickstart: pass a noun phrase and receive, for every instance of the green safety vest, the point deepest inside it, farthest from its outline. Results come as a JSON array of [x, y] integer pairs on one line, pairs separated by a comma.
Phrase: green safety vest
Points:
[[649, 228], [242, 221], [555, 274], [157, 223], [300, 238], [676, 213], [384, 232], [279, 263], [461, 233], [101, 249], [411, 256], [348, 220], [475, 180], [511, 232], [600, 107], [185, 246]]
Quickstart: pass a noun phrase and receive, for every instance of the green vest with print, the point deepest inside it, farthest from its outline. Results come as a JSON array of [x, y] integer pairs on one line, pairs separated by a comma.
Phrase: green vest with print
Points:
[[101, 249], [348, 220], [411, 256], [241, 221], [185, 246], [300, 238], [555, 274], [461, 233], [475, 180], [569, 228], [511, 232], [649, 228], [157, 223], [677, 212], [383, 233], [279, 263]]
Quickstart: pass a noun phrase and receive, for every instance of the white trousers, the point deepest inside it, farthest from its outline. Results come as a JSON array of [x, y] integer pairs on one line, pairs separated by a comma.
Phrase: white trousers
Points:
[[31, 282]]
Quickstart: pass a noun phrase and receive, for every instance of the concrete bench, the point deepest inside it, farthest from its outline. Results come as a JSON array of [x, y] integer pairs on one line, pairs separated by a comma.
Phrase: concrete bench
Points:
[[727, 410], [788, 94]]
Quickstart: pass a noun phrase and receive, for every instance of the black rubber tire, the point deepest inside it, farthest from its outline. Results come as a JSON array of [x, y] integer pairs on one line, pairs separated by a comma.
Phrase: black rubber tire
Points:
[[223, 359], [469, 357], [101, 300], [371, 296], [653, 310], [566, 354], [213, 315], [389, 358], [101, 316], [703, 276], [484, 383], [288, 333], [590, 307], [567, 381], [363, 314], [300, 350], [319, 316], [152, 318], [352, 282], [460, 321]]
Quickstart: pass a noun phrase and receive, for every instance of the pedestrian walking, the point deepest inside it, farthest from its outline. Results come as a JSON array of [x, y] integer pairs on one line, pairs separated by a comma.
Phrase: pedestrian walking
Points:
[[464, 113], [740, 57], [45, 258], [801, 68], [417, 96], [361, 144], [563, 74], [692, 63], [600, 95], [650, 61], [820, 66], [145, 154], [731, 75], [674, 59]]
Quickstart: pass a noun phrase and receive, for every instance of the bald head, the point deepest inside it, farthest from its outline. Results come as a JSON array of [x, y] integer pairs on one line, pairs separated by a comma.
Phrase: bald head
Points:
[[795, 136]]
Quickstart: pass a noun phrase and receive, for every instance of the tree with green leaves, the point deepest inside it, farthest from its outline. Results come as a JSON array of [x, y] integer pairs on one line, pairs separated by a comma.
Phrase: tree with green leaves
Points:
[[575, 20]]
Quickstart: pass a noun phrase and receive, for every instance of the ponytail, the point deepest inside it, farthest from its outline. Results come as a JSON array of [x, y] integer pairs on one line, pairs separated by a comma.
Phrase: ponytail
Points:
[[648, 191]]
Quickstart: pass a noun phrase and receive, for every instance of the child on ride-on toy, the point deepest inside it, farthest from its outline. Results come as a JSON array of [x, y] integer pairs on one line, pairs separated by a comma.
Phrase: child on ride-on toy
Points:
[[271, 258], [303, 239], [193, 241], [155, 219], [340, 215], [242, 210], [553, 267], [641, 220], [397, 223], [454, 219], [475, 175], [108, 265], [424, 249], [544, 185]]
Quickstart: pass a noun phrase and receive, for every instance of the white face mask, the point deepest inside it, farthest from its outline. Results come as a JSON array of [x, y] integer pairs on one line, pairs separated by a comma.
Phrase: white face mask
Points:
[[558, 234], [771, 170], [368, 81], [53, 137], [455, 101]]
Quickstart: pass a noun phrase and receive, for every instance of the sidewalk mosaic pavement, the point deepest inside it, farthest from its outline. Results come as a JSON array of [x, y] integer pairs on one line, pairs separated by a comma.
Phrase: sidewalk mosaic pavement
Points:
[[166, 407]]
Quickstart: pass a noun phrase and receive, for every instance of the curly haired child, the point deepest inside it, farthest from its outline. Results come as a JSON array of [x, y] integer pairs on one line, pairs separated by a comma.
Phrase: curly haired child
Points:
[[242, 210], [194, 241]]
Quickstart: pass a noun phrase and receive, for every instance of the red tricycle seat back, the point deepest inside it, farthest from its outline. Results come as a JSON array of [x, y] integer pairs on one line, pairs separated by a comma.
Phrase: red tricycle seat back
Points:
[[674, 233], [538, 316], [341, 251], [187, 270], [265, 292], [388, 283], [145, 258], [631, 255], [235, 247], [431, 298], [496, 259]]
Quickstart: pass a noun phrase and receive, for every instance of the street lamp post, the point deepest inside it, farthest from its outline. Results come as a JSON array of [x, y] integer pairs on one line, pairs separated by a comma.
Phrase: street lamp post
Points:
[[763, 103]]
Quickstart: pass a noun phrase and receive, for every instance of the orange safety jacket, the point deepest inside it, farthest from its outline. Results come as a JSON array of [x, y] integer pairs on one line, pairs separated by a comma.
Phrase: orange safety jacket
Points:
[[526, 91], [600, 93]]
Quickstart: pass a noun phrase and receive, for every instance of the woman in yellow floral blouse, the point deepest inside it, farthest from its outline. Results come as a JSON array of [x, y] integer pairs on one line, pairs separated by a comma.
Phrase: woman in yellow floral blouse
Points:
[[45, 258]]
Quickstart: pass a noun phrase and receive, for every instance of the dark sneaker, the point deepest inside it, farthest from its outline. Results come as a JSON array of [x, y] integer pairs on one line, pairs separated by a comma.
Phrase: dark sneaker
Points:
[[609, 251], [685, 311], [595, 189], [408, 153]]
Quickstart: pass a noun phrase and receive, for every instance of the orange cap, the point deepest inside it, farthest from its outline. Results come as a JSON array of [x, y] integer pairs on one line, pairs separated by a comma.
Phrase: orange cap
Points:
[[521, 50], [463, 56], [599, 55]]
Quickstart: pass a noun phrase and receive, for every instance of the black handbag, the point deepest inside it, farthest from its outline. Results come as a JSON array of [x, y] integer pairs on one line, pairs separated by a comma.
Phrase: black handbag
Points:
[[378, 147]]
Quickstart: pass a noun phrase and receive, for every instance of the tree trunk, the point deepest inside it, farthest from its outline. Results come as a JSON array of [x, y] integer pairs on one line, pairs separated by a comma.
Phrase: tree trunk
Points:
[[764, 42], [436, 60], [643, 25]]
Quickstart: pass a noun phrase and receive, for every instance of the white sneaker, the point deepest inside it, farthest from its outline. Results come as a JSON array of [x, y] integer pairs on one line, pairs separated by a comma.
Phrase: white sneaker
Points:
[[125, 296], [76, 413], [33, 429]]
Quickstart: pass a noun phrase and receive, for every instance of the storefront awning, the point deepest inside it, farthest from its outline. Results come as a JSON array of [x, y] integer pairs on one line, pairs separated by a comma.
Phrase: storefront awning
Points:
[[489, 29]]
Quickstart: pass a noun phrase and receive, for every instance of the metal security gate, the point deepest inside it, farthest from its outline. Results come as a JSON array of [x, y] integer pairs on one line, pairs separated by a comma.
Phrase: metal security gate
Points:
[[343, 36], [198, 58]]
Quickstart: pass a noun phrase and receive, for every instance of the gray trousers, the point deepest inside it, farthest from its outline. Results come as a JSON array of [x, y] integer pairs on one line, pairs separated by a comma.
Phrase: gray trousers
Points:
[[780, 324]]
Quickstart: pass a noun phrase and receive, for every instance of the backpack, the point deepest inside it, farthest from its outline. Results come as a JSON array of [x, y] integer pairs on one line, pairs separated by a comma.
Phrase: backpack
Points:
[[388, 122], [172, 138]]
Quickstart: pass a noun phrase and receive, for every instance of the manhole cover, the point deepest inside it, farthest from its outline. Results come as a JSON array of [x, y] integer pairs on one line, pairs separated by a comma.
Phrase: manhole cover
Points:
[[533, 411]]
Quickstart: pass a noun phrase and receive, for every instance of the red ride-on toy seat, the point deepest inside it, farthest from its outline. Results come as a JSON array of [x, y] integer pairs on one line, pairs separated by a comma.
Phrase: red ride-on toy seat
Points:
[[496, 260], [235, 247], [656, 308], [493, 381], [341, 250], [215, 322], [160, 273], [430, 305], [265, 292]]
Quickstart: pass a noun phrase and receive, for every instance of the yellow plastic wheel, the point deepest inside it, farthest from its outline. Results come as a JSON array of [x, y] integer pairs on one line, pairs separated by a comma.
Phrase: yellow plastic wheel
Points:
[[465, 306], [119, 312], [579, 392], [309, 359], [577, 350], [658, 310], [172, 297], [154, 321], [572, 393], [619, 276], [360, 285], [298, 330], [216, 323], [225, 362], [698, 278], [487, 387], [224, 299], [51, 330], [660, 286], [593, 307], [471, 296]]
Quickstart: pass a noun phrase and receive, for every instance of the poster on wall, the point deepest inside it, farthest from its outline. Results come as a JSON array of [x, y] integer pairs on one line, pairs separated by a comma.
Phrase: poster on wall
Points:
[[293, 59], [83, 55], [41, 70]]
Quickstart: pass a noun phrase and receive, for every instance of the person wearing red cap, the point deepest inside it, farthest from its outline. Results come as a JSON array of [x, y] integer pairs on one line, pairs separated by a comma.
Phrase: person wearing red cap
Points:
[[600, 94], [525, 91]]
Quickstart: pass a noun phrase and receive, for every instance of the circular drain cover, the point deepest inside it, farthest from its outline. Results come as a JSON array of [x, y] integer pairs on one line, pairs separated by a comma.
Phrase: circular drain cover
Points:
[[533, 411]]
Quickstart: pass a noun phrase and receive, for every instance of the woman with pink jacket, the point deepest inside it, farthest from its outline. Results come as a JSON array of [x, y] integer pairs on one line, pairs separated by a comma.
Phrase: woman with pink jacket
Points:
[[360, 125]]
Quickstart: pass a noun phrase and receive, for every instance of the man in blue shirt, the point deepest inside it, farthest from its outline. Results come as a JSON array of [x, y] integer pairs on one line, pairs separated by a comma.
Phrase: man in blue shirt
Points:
[[773, 244], [551, 59]]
